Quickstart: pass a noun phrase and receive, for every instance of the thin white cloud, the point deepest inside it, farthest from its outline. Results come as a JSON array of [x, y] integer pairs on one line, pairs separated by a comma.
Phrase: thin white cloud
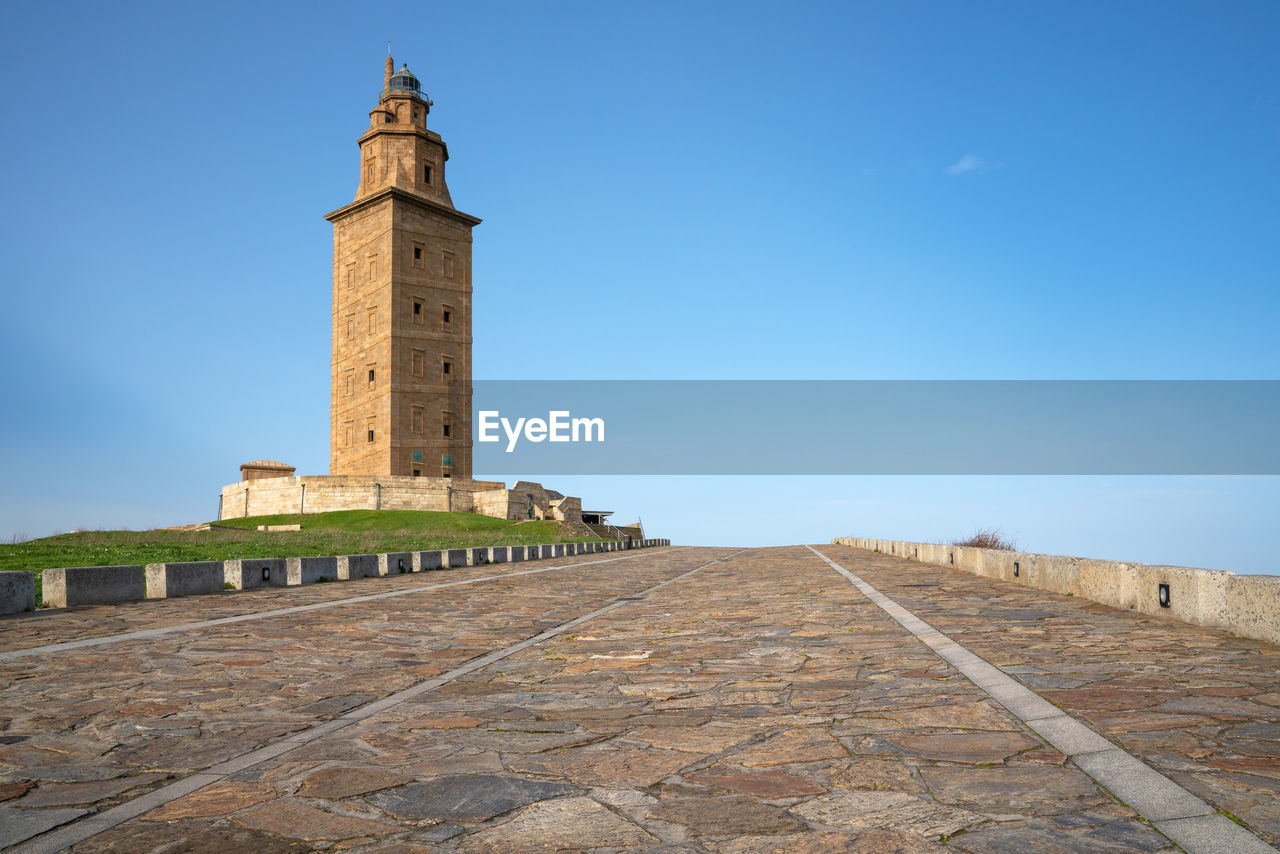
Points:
[[971, 163]]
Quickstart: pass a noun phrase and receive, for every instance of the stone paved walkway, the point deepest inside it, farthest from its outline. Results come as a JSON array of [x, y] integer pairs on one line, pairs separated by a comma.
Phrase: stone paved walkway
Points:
[[759, 704]]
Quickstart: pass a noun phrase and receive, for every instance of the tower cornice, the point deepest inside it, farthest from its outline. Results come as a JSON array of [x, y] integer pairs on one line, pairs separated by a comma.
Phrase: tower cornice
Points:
[[403, 195]]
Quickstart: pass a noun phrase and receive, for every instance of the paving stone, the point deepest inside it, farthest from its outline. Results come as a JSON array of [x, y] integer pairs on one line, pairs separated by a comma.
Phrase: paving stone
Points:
[[868, 841], [799, 745], [973, 748], [986, 716], [606, 765], [17, 825], [734, 815], [873, 774], [1012, 789], [896, 811], [763, 784], [346, 782], [299, 821], [9, 791], [213, 800], [705, 739], [84, 793], [567, 823], [188, 837], [467, 797]]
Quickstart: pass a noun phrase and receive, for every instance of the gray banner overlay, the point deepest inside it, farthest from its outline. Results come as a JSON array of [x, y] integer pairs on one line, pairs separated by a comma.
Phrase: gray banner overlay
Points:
[[718, 427]]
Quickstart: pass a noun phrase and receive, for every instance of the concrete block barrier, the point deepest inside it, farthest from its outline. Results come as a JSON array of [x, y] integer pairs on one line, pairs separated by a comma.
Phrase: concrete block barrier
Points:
[[93, 585], [1245, 605], [17, 592], [252, 573], [395, 563], [97, 585], [351, 567], [196, 578], [309, 570]]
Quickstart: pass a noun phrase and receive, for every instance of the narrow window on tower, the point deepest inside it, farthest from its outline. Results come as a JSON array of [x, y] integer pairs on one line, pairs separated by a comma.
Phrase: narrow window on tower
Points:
[[419, 256], [446, 318], [417, 312], [349, 383], [416, 418], [368, 429], [368, 175], [446, 421], [446, 264], [426, 174], [447, 371], [446, 465], [371, 375], [416, 360]]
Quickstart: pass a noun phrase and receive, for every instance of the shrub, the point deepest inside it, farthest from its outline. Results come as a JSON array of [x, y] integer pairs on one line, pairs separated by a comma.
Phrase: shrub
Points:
[[988, 538]]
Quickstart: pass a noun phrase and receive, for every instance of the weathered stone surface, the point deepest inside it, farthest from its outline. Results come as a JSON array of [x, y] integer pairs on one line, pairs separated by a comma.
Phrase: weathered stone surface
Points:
[[735, 815], [762, 784], [974, 748], [467, 797], [87, 792], [299, 821], [9, 791], [861, 773], [214, 800], [337, 783], [869, 841], [704, 739], [985, 716], [896, 811], [800, 745], [17, 825], [607, 766], [1024, 789], [558, 825]]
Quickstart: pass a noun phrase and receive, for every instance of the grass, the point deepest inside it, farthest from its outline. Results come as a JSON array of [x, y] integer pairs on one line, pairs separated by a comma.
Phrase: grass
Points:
[[342, 533]]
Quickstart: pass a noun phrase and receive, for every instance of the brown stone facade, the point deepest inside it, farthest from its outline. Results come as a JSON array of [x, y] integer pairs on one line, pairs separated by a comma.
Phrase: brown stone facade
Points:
[[400, 400]]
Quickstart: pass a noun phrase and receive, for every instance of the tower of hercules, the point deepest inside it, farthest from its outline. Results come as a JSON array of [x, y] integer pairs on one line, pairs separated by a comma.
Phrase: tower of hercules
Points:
[[401, 370]]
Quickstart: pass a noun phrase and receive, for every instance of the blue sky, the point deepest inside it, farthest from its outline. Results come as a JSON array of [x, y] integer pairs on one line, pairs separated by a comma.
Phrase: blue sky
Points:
[[670, 190]]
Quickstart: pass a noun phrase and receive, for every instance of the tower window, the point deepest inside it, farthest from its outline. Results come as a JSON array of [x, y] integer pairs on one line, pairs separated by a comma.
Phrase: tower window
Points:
[[447, 460], [371, 375], [417, 311], [426, 174], [416, 358], [415, 421], [446, 317], [447, 369], [446, 264], [419, 256], [370, 435], [417, 456], [446, 431], [417, 472], [417, 253]]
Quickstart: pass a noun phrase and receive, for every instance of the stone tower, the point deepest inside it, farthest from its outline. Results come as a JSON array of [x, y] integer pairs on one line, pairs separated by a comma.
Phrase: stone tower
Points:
[[401, 369]]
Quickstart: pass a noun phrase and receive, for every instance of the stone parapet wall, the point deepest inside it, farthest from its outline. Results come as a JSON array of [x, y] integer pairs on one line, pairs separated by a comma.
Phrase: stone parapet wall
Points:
[[1245, 605], [327, 493]]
